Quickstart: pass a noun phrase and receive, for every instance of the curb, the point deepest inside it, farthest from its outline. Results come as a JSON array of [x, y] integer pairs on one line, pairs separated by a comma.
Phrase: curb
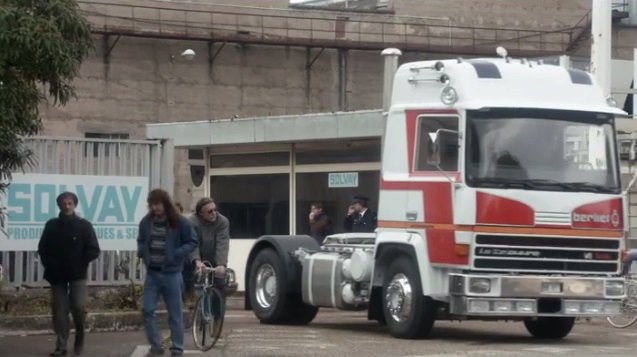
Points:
[[95, 321]]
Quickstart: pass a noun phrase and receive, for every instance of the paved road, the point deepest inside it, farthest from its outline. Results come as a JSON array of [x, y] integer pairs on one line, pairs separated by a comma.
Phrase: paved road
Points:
[[350, 334]]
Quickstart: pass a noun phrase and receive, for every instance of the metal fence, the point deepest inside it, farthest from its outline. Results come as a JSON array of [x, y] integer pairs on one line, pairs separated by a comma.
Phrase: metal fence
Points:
[[76, 156]]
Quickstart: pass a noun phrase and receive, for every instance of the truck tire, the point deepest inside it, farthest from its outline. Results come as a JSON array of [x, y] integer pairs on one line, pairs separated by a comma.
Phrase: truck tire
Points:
[[553, 328], [408, 313], [269, 296], [300, 312]]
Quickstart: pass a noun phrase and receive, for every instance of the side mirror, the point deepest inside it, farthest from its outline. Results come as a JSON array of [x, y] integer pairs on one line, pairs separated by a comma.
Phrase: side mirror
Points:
[[632, 153], [441, 140]]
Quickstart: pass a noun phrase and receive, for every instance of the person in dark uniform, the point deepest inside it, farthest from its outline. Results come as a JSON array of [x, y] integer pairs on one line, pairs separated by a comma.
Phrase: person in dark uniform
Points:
[[359, 217]]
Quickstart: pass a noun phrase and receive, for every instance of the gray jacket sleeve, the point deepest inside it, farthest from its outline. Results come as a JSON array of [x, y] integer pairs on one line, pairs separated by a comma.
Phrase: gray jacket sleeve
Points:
[[223, 242]]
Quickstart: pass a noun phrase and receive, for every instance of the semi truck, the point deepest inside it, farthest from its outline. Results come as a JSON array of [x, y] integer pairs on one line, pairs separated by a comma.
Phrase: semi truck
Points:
[[500, 199]]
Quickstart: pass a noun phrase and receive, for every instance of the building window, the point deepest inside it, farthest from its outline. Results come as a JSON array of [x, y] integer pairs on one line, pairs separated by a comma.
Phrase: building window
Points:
[[344, 5], [315, 187], [428, 131], [338, 152], [224, 161], [104, 146], [256, 205]]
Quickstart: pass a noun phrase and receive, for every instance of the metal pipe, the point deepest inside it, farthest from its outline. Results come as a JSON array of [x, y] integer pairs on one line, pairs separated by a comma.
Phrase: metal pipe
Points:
[[601, 44], [342, 79], [391, 64]]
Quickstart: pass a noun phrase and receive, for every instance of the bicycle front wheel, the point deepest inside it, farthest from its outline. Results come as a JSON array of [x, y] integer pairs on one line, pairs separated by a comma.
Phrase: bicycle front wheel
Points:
[[628, 315], [207, 321]]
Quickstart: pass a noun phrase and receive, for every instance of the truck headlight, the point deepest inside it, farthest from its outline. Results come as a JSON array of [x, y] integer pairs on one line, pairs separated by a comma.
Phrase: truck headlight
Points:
[[615, 288], [593, 307], [479, 306], [525, 306], [572, 307], [480, 285]]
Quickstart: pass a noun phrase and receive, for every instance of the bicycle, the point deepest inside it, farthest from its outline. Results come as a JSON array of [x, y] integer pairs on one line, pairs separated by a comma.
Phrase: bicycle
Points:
[[206, 322], [628, 308]]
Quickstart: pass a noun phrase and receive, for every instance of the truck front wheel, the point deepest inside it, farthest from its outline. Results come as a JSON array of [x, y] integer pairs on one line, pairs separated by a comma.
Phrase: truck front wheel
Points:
[[271, 301], [553, 328], [408, 313]]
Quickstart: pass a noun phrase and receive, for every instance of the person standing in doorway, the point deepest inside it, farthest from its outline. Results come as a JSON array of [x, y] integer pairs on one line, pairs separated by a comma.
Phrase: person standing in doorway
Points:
[[164, 242], [360, 218], [320, 223], [67, 245]]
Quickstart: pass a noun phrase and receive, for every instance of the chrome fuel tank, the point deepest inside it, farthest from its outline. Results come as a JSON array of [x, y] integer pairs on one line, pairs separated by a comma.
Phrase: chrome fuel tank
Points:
[[324, 283]]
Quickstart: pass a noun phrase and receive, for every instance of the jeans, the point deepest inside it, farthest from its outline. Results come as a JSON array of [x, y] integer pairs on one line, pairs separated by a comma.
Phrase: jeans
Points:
[[169, 286], [630, 259], [67, 297]]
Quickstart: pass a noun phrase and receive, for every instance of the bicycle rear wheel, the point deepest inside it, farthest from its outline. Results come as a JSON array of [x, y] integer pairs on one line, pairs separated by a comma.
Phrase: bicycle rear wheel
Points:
[[207, 321], [628, 308]]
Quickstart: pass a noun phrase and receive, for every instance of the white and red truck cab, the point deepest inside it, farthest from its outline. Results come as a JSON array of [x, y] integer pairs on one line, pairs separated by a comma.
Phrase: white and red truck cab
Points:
[[500, 199]]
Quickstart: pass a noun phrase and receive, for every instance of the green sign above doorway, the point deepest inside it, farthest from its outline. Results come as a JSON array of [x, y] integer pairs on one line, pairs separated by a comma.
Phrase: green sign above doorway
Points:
[[342, 179]]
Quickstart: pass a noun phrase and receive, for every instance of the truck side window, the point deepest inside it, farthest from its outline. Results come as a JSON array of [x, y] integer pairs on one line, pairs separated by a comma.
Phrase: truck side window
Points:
[[427, 127]]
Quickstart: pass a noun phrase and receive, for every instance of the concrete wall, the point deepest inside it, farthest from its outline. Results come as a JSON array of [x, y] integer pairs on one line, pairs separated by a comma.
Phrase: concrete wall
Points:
[[486, 13], [140, 85]]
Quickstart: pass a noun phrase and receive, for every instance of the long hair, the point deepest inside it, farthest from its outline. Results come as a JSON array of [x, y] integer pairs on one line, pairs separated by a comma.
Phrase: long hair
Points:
[[160, 196]]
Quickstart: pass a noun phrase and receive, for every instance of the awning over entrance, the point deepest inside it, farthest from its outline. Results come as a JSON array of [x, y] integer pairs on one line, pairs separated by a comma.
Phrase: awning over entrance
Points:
[[273, 129]]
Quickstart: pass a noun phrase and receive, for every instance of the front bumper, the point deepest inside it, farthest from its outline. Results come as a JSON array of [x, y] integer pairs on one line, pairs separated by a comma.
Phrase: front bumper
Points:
[[531, 295]]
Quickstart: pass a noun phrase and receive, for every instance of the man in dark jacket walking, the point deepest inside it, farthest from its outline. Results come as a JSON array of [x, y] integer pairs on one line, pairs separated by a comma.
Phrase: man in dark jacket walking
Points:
[[67, 246]]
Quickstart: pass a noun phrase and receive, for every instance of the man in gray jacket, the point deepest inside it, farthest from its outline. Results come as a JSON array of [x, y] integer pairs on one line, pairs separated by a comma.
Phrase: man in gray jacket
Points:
[[213, 230]]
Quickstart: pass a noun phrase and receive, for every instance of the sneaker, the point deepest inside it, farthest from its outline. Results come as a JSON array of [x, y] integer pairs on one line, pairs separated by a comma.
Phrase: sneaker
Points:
[[58, 352], [176, 354]]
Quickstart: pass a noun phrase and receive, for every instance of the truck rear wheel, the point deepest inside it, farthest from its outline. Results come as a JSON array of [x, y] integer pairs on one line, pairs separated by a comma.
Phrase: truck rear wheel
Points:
[[553, 328], [408, 313], [271, 301]]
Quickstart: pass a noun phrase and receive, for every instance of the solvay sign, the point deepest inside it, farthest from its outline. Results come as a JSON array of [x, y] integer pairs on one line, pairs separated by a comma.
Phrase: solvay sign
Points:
[[113, 204]]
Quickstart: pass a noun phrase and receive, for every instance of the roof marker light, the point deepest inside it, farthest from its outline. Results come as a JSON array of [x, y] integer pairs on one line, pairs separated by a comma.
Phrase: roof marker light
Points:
[[448, 95]]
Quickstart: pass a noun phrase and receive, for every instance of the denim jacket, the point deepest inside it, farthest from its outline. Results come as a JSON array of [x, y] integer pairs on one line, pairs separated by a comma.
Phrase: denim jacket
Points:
[[180, 243]]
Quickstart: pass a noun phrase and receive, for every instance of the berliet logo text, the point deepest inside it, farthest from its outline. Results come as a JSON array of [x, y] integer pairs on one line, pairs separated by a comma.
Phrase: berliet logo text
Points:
[[597, 218], [509, 252]]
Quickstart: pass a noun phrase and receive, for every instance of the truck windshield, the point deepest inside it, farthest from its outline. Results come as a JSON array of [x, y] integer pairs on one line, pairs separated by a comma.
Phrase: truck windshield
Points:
[[541, 150]]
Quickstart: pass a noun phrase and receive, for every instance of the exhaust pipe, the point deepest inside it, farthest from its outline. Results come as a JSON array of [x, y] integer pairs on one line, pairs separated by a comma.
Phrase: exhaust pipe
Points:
[[391, 64]]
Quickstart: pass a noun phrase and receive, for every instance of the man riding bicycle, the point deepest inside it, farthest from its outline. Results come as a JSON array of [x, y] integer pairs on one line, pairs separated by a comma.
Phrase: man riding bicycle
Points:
[[213, 231]]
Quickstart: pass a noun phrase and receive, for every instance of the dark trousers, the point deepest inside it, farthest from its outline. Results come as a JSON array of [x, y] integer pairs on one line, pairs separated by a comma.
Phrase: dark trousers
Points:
[[65, 298]]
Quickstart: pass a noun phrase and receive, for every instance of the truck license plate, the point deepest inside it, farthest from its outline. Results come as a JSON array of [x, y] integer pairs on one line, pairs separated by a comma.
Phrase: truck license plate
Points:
[[552, 288]]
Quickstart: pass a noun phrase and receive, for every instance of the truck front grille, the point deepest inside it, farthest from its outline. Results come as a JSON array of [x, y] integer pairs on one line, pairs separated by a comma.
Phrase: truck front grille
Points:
[[546, 254]]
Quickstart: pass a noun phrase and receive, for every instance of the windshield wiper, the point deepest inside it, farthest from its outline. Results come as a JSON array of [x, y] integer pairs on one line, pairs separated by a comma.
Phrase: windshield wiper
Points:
[[549, 182], [502, 182], [591, 187]]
